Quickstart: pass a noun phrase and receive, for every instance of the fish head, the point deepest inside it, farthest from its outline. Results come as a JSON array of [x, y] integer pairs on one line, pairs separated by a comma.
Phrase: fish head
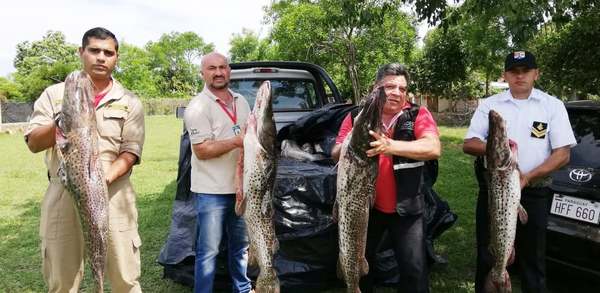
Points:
[[500, 150], [263, 115], [78, 102], [369, 118]]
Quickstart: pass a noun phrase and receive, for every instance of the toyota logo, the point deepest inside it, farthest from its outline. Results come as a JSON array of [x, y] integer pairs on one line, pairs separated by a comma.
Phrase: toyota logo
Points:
[[580, 175]]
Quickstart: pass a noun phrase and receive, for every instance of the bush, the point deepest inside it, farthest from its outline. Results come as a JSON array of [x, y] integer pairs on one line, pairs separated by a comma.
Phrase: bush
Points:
[[9, 90], [163, 106]]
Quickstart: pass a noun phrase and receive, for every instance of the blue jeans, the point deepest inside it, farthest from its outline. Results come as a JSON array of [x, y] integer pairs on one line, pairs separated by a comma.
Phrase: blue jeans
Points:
[[216, 214]]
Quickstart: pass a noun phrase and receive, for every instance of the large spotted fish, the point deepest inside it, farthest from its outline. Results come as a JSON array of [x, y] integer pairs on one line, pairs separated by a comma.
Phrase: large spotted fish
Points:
[[504, 195], [356, 191], [81, 170], [255, 202]]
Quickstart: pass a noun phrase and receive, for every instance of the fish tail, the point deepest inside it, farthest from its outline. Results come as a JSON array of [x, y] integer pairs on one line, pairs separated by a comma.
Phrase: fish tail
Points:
[[340, 269], [267, 281], [98, 280], [364, 267], [493, 286]]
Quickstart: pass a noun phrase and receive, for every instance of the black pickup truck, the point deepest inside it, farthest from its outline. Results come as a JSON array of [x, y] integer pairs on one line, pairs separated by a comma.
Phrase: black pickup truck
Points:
[[298, 87], [573, 242], [308, 109]]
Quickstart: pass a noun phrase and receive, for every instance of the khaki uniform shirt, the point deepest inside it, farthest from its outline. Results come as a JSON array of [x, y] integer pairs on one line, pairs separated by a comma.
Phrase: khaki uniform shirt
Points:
[[120, 123], [205, 120]]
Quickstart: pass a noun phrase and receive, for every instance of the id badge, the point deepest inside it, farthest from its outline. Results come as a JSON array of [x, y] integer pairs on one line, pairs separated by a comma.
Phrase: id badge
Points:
[[236, 129]]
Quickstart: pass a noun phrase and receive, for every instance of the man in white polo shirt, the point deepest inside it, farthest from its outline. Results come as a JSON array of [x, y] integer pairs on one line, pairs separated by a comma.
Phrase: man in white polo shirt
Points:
[[540, 126], [213, 120]]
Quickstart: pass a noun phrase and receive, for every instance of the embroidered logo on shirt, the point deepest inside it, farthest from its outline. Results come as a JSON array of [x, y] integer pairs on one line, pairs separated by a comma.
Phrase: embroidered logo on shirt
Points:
[[539, 129], [193, 131], [408, 125]]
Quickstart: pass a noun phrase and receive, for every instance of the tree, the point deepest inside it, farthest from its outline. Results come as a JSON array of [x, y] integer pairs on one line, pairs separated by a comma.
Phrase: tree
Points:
[[135, 71], [247, 46], [485, 42], [521, 19], [9, 90], [568, 56], [174, 57], [442, 69], [562, 33], [356, 36], [44, 62], [50, 49]]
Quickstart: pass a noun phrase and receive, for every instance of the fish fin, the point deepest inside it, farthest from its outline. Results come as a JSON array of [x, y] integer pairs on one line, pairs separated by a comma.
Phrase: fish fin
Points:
[[334, 212], [62, 175], [61, 140], [511, 256], [240, 202], [364, 266], [275, 245], [340, 269], [371, 196], [335, 167], [266, 204], [523, 217], [252, 259]]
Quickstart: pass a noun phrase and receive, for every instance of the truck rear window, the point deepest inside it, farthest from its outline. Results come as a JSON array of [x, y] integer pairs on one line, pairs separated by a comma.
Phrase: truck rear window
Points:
[[288, 95], [586, 126]]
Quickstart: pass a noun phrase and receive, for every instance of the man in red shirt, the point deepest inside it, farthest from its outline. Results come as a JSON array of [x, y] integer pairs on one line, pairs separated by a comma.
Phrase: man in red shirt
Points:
[[410, 138]]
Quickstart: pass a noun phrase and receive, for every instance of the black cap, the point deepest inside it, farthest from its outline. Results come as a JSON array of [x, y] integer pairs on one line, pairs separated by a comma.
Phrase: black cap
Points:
[[519, 58]]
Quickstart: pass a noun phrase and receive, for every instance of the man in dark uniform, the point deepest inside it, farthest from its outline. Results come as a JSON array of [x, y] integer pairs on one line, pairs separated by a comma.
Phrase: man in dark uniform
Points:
[[540, 126]]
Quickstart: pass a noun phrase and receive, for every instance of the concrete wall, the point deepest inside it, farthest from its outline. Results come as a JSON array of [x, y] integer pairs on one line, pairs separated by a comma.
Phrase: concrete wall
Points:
[[13, 112], [11, 128]]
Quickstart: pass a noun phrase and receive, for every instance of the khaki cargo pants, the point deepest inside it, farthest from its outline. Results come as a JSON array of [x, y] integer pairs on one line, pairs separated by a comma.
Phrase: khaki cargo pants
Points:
[[62, 244]]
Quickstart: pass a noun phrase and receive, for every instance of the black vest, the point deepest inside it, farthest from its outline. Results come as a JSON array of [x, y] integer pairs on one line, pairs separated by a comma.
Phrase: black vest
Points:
[[408, 173]]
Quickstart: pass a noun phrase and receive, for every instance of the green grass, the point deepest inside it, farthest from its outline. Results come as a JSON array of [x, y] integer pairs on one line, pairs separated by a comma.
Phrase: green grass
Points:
[[23, 182], [22, 186]]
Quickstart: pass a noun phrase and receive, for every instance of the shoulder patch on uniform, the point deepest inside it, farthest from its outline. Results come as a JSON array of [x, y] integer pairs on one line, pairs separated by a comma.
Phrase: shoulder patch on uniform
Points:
[[117, 106], [539, 129]]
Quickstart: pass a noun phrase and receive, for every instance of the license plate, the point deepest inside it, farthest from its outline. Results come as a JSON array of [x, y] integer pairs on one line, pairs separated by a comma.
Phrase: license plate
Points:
[[576, 208]]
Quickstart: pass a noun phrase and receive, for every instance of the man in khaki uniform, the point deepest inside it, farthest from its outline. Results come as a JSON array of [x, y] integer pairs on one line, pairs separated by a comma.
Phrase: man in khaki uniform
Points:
[[120, 123]]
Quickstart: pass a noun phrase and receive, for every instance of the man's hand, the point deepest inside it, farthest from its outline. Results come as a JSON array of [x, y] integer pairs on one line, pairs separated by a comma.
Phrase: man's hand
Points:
[[381, 144], [213, 148], [524, 180], [239, 139], [121, 166]]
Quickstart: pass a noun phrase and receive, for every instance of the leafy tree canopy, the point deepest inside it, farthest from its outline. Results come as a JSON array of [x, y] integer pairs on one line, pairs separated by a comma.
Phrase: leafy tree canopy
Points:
[[174, 57], [43, 63], [349, 38]]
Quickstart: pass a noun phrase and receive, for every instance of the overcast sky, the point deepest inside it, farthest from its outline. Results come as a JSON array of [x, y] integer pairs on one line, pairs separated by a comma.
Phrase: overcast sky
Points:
[[133, 21]]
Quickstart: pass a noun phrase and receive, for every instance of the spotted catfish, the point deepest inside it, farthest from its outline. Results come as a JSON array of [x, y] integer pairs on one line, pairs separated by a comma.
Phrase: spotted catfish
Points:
[[504, 195], [356, 191], [81, 170], [255, 196]]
